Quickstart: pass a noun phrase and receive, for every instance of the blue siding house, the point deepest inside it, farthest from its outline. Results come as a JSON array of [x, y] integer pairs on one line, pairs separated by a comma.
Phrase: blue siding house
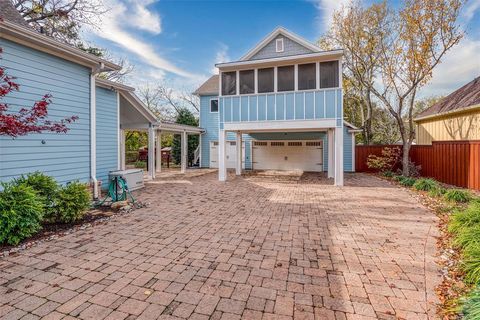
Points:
[[279, 107], [92, 146]]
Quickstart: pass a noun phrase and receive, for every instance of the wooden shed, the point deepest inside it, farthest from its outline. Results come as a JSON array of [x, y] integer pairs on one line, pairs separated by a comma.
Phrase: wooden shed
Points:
[[454, 118]]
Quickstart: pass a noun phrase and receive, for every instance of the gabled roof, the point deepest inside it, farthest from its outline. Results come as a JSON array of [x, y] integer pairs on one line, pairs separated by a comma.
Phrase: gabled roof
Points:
[[465, 98], [209, 87], [9, 13], [14, 28], [275, 33]]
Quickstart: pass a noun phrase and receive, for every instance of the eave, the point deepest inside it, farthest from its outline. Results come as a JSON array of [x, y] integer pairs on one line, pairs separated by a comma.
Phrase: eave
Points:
[[31, 38], [448, 113], [107, 84]]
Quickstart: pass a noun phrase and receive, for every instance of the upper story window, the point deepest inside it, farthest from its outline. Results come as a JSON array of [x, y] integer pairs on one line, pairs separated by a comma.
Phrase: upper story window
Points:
[[247, 81], [307, 76], [229, 83], [286, 78], [265, 80], [279, 45], [329, 74], [214, 105]]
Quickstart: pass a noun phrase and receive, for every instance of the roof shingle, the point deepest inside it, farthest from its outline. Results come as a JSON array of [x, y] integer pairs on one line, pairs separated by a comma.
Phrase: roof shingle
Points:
[[466, 96], [9, 13], [209, 87]]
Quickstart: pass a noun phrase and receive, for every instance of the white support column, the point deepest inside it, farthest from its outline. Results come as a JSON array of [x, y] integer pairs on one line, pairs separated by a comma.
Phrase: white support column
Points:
[[184, 152], [331, 153], [222, 156], [158, 151], [238, 162], [151, 152], [122, 150], [339, 156]]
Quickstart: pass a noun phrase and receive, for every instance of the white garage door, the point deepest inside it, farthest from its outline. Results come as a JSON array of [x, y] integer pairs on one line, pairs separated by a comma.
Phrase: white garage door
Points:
[[231, 150], [288, 155]]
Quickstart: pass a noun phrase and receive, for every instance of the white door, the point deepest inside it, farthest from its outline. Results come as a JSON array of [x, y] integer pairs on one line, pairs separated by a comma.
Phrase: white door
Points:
[[231, 152], [288, 155]]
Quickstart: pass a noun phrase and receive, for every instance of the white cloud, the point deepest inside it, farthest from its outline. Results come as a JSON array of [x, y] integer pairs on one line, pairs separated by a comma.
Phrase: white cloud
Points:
[[121, 25], [460, 66], [325, 9], [220, 56]]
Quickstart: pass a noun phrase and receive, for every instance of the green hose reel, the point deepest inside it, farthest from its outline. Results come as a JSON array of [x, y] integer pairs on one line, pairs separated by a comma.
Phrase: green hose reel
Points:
[[117, 191]]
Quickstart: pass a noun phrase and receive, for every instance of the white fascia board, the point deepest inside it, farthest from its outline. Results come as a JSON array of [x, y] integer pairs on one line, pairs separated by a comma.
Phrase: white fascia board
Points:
[[275, 33], [178, 128], [107, 84], [281, 125], [333, 55], [33, 39]]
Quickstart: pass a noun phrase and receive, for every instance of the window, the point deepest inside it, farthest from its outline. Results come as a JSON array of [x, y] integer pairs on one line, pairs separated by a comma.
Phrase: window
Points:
[[329, 74], [307, 76], [214, 105], [229, 83], [247, 81], [279, 45], [265, 80], [286, 78]]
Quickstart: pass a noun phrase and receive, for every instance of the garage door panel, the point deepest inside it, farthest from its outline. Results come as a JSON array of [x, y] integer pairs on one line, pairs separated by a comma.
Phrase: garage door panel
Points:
[[288, 155]]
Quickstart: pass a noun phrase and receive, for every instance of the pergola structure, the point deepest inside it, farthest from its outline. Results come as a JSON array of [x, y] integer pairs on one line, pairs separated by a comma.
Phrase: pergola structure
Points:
[[134, 115]]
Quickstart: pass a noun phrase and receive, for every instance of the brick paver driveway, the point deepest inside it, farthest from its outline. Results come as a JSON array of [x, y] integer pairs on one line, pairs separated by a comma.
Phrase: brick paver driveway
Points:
[[252, 248]]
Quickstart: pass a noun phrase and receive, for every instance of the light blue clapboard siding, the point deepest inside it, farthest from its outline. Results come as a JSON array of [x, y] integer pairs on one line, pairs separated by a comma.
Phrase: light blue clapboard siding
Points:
[[290, 48], [63, 156], [307, 105], [347, 150], [107, 134]]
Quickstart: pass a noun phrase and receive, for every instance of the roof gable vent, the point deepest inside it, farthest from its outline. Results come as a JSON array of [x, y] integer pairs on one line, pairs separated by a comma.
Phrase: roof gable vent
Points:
[[279, 45]]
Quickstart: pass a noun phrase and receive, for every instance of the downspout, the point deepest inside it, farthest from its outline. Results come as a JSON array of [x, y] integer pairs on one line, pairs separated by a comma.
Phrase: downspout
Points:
[[93, 128]]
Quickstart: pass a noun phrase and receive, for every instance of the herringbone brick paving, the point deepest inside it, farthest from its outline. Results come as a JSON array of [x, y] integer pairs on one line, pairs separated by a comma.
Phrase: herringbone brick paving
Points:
[[251, 248]]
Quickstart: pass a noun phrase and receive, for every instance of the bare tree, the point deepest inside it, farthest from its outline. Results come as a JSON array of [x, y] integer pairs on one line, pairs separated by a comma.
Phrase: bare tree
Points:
[[61, 19], [410, 42]]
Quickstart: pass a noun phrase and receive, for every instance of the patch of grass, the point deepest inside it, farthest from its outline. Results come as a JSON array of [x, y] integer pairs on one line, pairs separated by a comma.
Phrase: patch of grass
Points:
[[458, 195], [468, 218], [437, 192], [471, 266], [471, 305], [141, 164], [387, 174], [407, 181], [424, 184], [398, 178]]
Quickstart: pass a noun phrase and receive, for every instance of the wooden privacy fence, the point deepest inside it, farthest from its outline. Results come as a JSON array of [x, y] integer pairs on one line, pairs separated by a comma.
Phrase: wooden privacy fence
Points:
[[452, 162]]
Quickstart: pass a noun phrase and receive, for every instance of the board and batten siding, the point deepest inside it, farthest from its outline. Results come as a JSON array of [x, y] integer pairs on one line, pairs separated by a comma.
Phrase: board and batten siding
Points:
[[107, 133], [65, 157]]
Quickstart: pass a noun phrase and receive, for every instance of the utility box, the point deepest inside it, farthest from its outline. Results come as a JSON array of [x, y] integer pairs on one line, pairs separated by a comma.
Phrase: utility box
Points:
[[133, 177]]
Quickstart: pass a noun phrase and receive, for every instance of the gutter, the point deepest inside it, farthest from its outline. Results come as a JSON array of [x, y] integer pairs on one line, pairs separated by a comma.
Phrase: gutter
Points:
[[448, 113], [93, 128]]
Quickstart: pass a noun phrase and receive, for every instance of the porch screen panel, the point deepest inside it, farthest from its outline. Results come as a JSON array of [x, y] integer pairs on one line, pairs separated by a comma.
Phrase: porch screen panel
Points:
[[307, 76], [329, 74], [247, 81], [229, 83], [265, 80], [286, 78]]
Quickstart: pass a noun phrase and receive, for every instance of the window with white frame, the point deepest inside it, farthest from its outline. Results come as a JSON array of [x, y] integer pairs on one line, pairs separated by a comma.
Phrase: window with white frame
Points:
[[214, 105], [265, 80], [229, 83], [329, 74], [307, 76], [279, 45], [247, 81], [286, 78]]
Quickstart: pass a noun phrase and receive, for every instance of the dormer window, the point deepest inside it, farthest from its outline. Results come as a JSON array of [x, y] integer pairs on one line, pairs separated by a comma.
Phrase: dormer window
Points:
[[279, 45]]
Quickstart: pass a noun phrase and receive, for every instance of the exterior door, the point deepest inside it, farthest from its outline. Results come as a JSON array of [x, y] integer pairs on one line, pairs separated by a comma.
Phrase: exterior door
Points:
[[231, 153], [288, 155]]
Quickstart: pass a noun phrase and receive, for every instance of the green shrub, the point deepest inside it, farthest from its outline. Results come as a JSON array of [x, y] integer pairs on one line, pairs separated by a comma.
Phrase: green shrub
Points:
[[458, 195], [46, 187], [468, 238], [468, 218], [21, 212], [407, 181], [73, 201], [424, 184], [141, 164], [388, 174], [471, 305], [437, 192], [398, 178], [471, 265]]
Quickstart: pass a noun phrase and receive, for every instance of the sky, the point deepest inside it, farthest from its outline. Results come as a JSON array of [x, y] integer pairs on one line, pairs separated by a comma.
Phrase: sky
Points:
[[178, 43]]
